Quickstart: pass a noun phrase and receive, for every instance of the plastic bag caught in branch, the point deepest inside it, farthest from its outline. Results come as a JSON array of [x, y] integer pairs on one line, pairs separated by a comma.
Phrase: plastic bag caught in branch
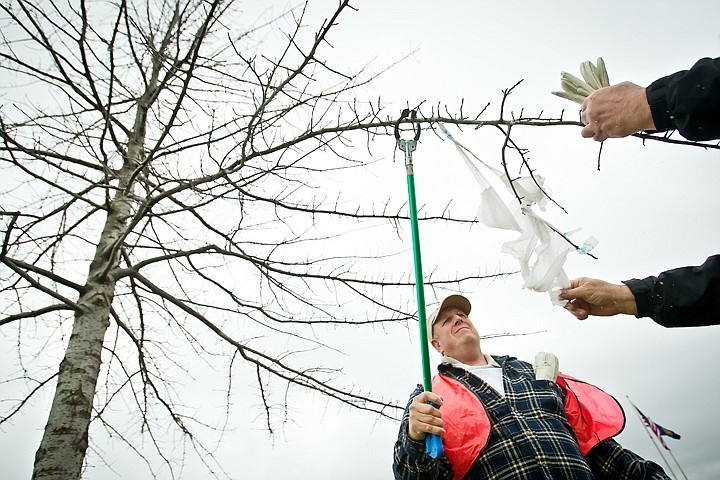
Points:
[[541, 253], [540, 249], [493, 212]]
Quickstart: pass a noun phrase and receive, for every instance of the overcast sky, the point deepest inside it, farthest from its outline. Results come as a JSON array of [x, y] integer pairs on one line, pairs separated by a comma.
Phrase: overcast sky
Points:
[[652, 207]]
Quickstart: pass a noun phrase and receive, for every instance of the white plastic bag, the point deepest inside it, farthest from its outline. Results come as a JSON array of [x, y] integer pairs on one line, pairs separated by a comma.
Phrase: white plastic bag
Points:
[[540, 249]]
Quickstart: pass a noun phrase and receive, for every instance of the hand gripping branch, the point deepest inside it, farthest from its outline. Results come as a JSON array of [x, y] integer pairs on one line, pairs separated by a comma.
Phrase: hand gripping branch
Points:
[[433, 443]]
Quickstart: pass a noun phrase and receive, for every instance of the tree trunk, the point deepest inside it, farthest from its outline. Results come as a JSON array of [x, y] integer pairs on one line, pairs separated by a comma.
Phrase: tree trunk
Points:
[[65, 439], [62, 449]]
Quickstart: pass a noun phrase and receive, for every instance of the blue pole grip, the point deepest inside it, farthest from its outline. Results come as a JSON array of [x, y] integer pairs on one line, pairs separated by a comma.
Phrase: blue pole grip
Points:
[[433, 446]]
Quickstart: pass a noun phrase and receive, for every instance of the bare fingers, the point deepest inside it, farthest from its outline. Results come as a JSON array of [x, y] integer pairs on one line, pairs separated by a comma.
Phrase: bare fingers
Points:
[[579, 312], [424, 417]]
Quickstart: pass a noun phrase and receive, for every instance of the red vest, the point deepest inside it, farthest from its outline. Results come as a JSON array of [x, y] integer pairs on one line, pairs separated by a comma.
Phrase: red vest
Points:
[[593, 414]]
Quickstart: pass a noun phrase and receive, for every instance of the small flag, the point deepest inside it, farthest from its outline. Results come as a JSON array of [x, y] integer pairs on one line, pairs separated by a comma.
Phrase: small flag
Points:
[[658, 430], [667, 432]]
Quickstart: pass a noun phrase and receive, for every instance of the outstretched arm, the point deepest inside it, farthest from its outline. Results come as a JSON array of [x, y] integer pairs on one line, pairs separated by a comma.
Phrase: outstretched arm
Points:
[[687, 101], [681, 297]]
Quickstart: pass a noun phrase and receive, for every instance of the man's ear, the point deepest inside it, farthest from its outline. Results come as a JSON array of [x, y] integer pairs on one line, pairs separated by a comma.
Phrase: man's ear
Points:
[[436, 345]]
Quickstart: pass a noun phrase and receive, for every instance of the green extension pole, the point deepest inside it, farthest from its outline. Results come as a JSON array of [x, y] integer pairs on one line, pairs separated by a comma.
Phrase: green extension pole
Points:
[[433, 443]]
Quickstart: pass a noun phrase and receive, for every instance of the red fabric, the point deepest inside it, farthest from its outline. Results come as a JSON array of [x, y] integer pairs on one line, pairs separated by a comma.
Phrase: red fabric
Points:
[[593, 414], [465, 422]]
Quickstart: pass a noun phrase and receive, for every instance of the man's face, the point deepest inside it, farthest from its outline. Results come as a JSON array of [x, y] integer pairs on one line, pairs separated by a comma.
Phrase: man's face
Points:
[[453, 331]]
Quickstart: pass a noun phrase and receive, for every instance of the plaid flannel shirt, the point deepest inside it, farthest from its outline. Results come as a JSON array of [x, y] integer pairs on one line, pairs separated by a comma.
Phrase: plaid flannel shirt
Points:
[[530, 436]]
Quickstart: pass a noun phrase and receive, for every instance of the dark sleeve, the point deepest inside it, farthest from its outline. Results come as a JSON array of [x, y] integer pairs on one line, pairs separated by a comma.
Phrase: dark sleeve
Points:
[[682, 297], [688, 101], [609, 461], [409, 459]]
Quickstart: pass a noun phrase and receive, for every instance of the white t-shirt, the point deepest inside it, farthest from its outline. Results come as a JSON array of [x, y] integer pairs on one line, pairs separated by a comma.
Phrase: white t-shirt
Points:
[[490, 373]]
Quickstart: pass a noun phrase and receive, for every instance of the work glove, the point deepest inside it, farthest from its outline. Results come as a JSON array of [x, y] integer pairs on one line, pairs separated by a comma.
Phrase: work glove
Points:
[[546, 366], [577, 90]]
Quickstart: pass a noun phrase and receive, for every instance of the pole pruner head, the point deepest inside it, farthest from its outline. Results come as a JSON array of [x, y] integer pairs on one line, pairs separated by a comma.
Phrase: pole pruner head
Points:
[[407, 113], [407, 145]]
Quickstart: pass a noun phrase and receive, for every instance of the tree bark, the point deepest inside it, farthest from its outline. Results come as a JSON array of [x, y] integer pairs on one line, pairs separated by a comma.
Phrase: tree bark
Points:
[[65, 440]]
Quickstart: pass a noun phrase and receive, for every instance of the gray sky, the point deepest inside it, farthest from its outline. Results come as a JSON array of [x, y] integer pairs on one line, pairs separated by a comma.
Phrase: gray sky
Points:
[[652, 207]]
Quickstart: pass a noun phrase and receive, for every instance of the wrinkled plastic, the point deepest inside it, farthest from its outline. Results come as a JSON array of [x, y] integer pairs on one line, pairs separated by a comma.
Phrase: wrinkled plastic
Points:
[[434, 446], [588, 245], [433, 443], [493, 212], [540, 249]]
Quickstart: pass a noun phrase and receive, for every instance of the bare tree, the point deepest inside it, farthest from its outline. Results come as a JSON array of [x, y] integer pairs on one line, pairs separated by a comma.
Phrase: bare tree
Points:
[[162, 150], [162, 183]]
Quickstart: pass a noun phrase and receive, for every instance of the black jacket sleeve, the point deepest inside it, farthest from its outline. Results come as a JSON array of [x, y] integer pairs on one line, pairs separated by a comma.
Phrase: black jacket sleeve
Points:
[[409, 459], [682, 297], [688, 101], [609, 461]]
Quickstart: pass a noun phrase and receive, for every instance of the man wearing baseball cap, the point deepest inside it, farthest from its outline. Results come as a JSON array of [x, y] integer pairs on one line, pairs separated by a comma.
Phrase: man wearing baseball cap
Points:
[[502, 418]]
